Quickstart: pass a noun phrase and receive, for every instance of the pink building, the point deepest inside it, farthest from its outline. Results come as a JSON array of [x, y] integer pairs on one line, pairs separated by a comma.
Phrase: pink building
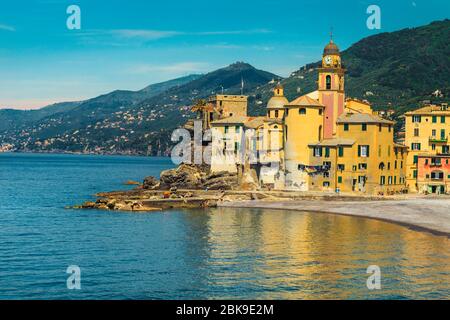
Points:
[[433, 173]]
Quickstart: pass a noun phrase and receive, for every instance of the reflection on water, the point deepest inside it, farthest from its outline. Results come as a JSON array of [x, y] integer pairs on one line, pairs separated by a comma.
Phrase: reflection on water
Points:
[[272, 254], [192, 254]]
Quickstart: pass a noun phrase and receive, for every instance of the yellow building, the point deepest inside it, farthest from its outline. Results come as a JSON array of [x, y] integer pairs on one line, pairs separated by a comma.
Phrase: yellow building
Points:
[[303, 123], [219, 107], [317, 142], [426, 133], [364, 157]]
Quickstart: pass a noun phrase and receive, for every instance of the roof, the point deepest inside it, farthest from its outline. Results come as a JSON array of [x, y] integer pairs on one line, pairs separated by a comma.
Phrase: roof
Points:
[[305, 101], [277, 102], [331, 48], [231, 120], [249, 122], [334, 142], [255, 122], [431, 109], [361, 118]]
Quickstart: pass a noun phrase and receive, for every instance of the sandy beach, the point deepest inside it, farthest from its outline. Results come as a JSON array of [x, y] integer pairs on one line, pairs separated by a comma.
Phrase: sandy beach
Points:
[[431, 214]]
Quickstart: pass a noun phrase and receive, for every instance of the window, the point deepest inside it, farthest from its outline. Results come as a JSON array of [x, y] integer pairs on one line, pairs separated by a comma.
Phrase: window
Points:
[[434, 119], [341, 167], [276, 113], [345, 126], [382, 180], [354, 168], [415, 174], [445, 149], [401, 164], [415, 159], [442, 119], [320, 112], [327, 152], [395, 180], [326, 174], [363, 151], [341, 151], [433, 147], [238, 129], [416, 132], [339, 179], [362, 166], [326, 184], [415, 146], [390, 180], [417, 119], [328, 82], [302, 111], [226, 129], [317, 151], [380, 127], [389, 166], [364, 127], [442, 133], [390, 128], [320, 133]]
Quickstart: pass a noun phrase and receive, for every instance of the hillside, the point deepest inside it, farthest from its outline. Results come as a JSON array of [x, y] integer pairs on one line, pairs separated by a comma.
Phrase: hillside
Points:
[[393, 70], [131, 122]]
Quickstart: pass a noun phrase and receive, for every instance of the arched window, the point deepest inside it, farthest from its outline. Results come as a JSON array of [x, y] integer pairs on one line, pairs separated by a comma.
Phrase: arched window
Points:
[[276, 113], [328, 82], [302, 111], [381, 166]]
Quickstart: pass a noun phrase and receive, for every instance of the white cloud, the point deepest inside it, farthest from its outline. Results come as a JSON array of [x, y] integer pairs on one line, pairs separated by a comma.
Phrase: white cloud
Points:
[[7, 28]]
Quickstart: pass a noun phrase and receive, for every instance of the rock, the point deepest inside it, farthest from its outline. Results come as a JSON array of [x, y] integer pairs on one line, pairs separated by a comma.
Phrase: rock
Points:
[[88, 205], [184, 177], [150, 183], [131, 183]]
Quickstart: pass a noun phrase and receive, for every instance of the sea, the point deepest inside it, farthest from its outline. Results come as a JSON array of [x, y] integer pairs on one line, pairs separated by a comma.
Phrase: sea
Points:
[[50, 252]]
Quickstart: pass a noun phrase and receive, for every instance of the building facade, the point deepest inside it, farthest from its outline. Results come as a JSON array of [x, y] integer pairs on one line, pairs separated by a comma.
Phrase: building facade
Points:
[[320, 141], [427, 133]]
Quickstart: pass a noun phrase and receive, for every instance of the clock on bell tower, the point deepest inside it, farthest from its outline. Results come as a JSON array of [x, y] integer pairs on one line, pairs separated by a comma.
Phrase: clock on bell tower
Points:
[[331, 87]]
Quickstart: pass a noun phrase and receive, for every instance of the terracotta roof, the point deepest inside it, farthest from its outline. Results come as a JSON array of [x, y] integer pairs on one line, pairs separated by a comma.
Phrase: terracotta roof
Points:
[[428, 110], [361, 118], [333, 142], [305, 101], [254, 123], [231, 120]]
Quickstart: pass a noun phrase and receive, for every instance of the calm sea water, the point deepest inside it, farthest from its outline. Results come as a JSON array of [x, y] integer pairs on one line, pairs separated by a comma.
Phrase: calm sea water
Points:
[[192, 254]]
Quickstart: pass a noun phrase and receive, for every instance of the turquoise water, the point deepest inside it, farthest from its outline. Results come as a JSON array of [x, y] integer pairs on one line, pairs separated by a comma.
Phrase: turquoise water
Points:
[[192, 254]]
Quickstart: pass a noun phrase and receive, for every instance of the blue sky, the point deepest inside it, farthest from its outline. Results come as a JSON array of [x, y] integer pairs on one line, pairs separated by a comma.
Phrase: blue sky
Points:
[[130, 44]]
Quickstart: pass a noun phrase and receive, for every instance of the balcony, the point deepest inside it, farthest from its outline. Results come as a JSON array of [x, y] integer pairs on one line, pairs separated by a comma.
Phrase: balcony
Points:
[[438, 139]]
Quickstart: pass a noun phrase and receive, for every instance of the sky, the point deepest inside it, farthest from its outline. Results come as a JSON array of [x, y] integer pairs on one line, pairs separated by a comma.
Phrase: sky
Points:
[[131, 44]]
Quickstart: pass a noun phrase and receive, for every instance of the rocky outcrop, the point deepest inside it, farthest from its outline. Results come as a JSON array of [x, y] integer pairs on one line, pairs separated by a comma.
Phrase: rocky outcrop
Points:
[[196, 177], [150, 183]]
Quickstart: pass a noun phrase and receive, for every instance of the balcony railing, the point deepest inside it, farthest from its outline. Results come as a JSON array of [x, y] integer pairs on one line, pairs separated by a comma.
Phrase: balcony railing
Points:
[[438, 139]]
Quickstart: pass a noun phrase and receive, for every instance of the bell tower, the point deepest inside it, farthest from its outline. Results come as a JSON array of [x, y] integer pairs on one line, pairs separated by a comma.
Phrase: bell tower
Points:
[[331, 87]]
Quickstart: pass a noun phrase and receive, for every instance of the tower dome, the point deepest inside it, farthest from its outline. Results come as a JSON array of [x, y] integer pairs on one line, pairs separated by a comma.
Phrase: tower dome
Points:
[[330, 48], [278, 100]]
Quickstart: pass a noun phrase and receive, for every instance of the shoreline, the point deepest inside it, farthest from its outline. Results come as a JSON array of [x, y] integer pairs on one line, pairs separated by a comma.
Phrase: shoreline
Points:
[[430, 215]]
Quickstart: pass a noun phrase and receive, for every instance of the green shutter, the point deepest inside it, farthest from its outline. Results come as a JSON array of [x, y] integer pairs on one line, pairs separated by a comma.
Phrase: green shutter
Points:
[[327, 152], [359, 151], [416, 159], [339, 179], [434, 119], [341, 151], [442, 119], [368, 147]]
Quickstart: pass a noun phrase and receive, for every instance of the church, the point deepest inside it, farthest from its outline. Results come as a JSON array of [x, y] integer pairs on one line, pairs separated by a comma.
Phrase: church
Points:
[[320, 141]]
